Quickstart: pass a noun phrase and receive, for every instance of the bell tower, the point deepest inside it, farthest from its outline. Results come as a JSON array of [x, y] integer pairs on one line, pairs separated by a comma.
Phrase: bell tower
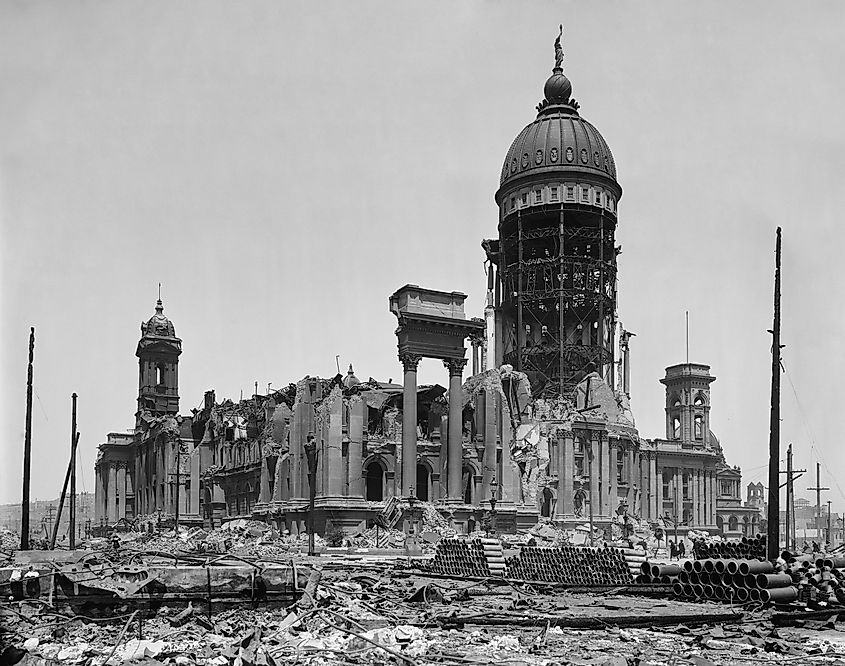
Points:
[[158, 367], [688, 403]]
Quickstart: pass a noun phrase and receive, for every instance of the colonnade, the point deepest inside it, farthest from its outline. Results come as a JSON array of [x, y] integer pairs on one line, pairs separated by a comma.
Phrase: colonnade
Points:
[[639, 483], [454, 420]]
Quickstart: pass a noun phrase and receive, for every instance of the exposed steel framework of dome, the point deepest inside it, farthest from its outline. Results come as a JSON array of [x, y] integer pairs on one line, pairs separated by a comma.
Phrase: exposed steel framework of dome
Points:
[[556, 255]]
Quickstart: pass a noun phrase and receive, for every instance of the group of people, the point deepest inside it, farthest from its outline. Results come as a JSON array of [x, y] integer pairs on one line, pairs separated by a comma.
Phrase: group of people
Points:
[[677, 550]]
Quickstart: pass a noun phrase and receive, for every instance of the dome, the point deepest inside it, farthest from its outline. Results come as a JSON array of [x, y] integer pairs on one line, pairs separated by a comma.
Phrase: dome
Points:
[[159, 325], [350, 380], [559, 140]]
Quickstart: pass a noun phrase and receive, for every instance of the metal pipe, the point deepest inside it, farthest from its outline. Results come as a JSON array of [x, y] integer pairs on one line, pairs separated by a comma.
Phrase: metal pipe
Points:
[[756, 567], [769, 581], [781, 595]]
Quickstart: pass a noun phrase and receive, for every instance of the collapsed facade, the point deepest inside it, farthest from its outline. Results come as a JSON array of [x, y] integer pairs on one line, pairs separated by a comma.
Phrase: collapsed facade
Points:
[[542, 426]]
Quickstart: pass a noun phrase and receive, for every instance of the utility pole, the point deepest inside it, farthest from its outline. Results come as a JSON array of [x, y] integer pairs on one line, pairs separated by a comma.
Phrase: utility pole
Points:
[[773, 528], [62, 498], [27, 446], [72, 507], [818, 490], [829, 539], [791, 475]]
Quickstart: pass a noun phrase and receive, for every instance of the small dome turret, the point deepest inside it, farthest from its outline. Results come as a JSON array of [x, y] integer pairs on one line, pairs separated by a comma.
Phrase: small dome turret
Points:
[[158, 325]]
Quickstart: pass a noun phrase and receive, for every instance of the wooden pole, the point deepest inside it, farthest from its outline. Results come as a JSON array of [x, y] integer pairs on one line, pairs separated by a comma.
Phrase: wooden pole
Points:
[[789, 504], [72, 507], [773, 517], [62, 499], [27, 446]]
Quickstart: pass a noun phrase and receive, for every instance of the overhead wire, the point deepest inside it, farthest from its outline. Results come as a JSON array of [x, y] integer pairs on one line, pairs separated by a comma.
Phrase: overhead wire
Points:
[[806, 423]]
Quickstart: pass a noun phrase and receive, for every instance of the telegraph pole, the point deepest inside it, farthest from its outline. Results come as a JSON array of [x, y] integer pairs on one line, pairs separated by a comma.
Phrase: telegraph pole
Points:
[[791, 475], [818, 490], [773, 528], [72, 506], [829, 539], [27, 446]]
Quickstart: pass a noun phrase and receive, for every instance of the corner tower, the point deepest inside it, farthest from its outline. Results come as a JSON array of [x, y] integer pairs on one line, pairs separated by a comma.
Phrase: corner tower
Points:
[[688, 403], [555, 258], [158, 367]]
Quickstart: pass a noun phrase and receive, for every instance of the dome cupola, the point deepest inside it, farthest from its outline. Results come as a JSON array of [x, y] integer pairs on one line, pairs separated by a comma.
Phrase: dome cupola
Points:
[[558, 142]]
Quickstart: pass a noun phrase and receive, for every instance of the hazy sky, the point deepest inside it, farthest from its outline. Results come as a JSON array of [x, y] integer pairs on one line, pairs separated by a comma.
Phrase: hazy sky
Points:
[[282, 167]]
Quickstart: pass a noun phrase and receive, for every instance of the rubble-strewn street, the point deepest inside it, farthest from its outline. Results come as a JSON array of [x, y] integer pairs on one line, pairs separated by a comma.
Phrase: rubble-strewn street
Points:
[[168, 599]]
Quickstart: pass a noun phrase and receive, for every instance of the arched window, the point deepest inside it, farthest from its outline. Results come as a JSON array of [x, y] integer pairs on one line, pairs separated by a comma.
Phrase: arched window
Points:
[[720, 524], [546, 503], [745, 525], [374, 474], [699, 426], [699, 401], [676, 428], [159, 375], [422, 482], [733, 524]]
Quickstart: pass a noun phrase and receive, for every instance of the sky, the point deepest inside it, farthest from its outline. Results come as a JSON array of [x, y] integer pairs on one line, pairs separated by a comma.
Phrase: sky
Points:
[[282, 167]]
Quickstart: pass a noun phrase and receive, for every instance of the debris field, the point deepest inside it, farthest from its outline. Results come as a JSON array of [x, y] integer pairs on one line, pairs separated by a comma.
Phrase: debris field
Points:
[[159, 599]]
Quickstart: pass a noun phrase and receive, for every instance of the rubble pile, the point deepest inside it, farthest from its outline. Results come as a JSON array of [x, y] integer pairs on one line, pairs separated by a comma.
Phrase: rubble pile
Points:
[[571, 565], [377, 612], [9, 541]]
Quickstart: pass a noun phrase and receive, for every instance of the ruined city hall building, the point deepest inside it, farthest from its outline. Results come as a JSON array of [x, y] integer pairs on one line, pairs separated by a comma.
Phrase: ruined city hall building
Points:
[[540, 421]]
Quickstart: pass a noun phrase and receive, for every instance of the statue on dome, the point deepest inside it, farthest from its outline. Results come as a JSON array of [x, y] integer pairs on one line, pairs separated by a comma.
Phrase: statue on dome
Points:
[[559, 49]]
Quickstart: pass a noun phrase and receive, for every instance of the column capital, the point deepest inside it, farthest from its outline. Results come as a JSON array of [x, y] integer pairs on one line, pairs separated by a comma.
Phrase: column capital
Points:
[[455, 366], [410, 361]]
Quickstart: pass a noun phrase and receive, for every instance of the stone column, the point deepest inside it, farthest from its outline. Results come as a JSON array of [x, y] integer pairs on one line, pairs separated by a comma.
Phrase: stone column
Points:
[[605, 475], [111, 495], [508, 482], [696, 497], [443, 457], [456, 448], [489, 463], [659, 493], [613, 498], [195, 485], [565, 492], [294, 447], [334, 445], [121, 490], [652, 485], [98, 495], [357, 420], [713, 493], [592, 449], [409, 424]]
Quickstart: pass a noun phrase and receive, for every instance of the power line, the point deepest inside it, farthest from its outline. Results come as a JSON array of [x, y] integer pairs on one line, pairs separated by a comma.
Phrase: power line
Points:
[[813, 446]]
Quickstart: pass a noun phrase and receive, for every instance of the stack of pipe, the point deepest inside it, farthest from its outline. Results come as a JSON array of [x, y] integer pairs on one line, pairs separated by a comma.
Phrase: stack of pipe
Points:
[[635, 558], [463, 557], [494, 555], [570, 565], [750, 548], [817, 577], [730, 581]]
